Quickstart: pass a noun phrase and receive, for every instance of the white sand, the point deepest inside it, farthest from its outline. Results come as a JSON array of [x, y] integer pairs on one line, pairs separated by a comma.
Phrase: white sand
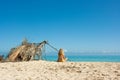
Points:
[[43, 70]]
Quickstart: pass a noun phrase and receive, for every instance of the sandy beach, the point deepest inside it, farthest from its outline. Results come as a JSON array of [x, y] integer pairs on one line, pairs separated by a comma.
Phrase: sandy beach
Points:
[[44, 70]]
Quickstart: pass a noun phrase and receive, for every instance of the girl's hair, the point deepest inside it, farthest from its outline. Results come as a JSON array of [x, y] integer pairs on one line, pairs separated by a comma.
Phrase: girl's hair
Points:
[[61, 52]]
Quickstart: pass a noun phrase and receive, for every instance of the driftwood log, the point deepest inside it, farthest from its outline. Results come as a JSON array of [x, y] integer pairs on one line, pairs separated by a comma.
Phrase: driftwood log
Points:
[[1, 58]]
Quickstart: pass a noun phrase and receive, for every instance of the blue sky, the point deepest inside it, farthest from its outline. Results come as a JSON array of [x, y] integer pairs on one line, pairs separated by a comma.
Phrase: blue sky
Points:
[[75, 25]]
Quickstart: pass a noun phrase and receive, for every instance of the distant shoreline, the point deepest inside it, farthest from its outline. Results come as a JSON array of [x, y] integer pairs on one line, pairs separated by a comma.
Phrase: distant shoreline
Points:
[[81, 58]]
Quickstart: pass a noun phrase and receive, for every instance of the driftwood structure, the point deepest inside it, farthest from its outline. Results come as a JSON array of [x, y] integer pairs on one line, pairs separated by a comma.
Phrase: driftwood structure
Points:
[[1, 58], [26, 51], [30, 51]]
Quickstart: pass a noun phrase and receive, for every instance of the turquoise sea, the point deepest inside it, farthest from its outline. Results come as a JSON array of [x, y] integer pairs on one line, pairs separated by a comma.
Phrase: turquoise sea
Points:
[[74, 57], [87, 58], [111, 57]]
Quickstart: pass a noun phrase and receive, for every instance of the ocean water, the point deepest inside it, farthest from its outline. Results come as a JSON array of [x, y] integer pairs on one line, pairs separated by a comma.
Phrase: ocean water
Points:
[[87, 58], [73, 57]]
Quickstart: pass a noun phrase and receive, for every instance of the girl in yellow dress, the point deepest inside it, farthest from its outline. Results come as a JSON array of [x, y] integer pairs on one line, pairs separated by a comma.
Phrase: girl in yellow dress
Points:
[[61, 56]]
